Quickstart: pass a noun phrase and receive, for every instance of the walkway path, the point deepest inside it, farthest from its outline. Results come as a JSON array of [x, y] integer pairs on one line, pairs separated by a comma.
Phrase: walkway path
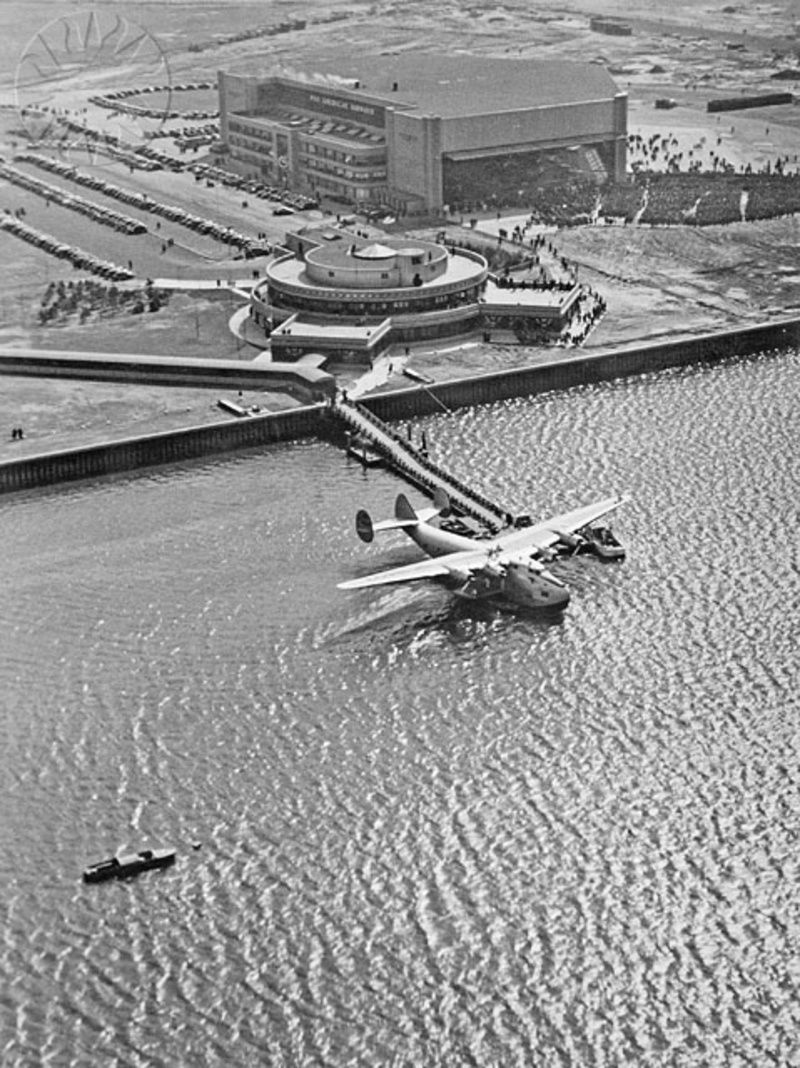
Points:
[[414, 465]]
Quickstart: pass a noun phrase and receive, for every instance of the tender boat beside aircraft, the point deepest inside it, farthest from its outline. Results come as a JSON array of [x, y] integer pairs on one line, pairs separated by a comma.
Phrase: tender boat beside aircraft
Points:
[[602, 542]]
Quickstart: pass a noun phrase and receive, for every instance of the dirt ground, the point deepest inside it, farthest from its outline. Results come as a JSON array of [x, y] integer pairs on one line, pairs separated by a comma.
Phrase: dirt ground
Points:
[[658, 282]]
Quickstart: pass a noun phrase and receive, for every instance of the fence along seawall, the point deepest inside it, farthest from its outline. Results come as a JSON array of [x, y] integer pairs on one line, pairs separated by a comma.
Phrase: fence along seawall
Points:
[[315, 421]]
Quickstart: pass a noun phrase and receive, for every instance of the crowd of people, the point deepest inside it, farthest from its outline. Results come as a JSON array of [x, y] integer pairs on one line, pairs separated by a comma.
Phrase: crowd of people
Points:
[[419, 463], [541, 281], [586, 311], [79, 300], [662, 153], [702, 199], [672, 184], [772, 195], [658, 198]]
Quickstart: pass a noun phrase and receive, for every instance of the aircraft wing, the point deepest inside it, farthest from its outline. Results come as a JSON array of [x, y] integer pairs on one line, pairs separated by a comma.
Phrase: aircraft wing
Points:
[[500, 550], [452, 563], [541, 535]]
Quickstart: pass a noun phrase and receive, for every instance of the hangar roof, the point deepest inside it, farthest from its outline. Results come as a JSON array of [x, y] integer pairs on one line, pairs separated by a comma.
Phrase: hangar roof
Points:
[[456, 85]]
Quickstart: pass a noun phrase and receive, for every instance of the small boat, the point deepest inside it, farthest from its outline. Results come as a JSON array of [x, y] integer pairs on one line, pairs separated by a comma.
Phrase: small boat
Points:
[[127, 864], [601, 542]]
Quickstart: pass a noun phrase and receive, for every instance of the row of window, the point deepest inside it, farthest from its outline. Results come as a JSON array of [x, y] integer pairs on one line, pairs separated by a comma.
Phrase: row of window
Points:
[[249, 143], [247, 148], [350, 304], [250, 131], [346, 173], [339, 156]]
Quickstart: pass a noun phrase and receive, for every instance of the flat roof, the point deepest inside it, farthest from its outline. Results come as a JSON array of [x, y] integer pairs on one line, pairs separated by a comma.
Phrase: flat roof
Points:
[[528, 297], [305, 328], [456, 85], [292, 270]]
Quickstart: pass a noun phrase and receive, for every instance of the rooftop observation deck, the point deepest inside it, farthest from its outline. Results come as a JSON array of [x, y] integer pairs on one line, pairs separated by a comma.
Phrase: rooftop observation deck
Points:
[[528, 301], [288, 276]]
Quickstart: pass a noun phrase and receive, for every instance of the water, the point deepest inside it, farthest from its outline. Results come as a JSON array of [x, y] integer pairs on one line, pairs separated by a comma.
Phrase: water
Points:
[[431, 834]]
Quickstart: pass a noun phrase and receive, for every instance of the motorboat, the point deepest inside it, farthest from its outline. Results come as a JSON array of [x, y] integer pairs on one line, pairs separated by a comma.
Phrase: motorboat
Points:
[[602, 542], [124, 865]]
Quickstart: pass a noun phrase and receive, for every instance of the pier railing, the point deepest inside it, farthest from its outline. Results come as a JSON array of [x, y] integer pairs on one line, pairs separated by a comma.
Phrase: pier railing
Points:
[[413, 464]]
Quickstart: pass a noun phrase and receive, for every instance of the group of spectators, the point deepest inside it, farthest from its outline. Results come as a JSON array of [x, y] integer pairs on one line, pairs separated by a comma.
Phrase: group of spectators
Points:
[[669, 198], [702, 199], [586, 311], [541, 281], [663, 153], [79, 300], [356, 415], [672, 185], [568, 202]]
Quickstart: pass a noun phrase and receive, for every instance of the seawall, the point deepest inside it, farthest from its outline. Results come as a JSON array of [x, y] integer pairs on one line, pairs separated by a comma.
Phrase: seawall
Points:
[[316, 421], [172, 446], [304, 380], [581, 369]]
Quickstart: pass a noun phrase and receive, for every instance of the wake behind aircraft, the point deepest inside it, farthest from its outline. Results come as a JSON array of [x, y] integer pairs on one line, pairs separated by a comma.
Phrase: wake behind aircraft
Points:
[[510, 567]]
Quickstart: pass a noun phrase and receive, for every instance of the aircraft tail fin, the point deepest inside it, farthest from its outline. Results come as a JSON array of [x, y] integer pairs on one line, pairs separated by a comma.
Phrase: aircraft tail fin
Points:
[[403, 509], [408, 514], [366, 528], [405, 516]]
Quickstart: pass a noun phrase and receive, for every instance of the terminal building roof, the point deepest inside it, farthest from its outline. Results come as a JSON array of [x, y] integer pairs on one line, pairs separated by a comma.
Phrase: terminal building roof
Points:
[[452, 86]]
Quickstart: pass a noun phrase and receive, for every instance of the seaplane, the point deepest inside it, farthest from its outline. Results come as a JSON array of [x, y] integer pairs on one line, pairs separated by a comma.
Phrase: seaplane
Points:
[[509, 568]]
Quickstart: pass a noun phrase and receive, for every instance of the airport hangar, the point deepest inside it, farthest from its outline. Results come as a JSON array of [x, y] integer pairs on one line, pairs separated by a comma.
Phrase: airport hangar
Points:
[[424, 132]]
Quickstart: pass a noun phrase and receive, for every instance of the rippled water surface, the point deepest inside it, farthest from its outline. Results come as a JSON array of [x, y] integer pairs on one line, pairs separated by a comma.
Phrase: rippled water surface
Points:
[[429, 834]]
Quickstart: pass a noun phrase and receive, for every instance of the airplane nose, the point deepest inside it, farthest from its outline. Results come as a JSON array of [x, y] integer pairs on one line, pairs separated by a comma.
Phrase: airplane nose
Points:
[[561, 598], [557, 591]]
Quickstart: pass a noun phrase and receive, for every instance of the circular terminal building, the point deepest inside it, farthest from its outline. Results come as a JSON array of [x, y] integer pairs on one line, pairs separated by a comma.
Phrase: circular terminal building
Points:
[[351, 298]]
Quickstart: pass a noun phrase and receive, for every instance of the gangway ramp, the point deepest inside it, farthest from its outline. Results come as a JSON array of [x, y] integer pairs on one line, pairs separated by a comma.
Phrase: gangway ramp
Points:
[[413, 465]]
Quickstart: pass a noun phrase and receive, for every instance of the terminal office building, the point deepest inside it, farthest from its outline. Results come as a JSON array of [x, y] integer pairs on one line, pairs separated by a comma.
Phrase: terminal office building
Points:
[[421, 133]]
